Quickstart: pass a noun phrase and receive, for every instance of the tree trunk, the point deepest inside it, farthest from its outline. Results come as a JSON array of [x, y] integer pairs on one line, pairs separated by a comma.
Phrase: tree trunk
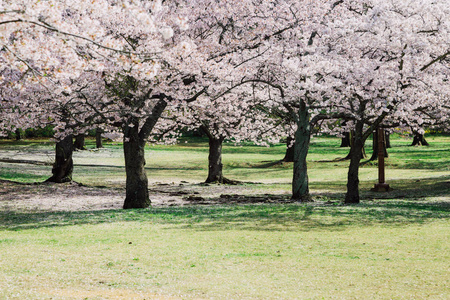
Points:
[[136, 180], [79, 143], [345, 141], [419, 140], [18, 134], [215, 160], [375, 147], [63, 166], [98, 138], [352, 141], [387, 139], [289, 156], [300, 184], [352, 195], [134, 151]]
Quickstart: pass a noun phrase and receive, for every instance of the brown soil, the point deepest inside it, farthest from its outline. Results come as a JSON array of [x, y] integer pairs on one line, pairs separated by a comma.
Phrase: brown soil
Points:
[[75, 197]]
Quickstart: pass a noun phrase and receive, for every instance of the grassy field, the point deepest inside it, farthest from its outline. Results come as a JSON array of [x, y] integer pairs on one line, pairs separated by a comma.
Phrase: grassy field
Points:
[[391, 246], [188, 162]]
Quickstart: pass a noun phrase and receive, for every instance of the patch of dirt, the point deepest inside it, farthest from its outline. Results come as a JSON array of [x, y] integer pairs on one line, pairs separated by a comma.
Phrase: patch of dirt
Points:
[[75, 197], [57, 197], [239, 199]]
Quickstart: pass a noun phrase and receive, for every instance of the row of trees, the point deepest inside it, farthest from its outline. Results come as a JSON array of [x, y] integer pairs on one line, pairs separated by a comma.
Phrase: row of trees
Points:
[[240, 69]]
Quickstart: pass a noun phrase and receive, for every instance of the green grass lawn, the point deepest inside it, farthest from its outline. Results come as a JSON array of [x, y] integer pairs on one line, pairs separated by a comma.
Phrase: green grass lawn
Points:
[[384, 250], [188, 161], [391, 246]]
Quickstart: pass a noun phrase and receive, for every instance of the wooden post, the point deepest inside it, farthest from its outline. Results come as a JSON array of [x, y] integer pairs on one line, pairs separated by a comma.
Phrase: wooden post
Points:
[[381, 186]]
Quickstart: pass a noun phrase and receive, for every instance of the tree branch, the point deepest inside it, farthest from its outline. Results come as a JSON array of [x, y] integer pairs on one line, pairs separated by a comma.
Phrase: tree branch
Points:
[[51, 28], [437, 59], [151, 120]]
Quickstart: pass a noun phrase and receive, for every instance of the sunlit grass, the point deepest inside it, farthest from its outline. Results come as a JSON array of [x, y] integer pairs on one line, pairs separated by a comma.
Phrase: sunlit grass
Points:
[[245, 163], [377, 250]]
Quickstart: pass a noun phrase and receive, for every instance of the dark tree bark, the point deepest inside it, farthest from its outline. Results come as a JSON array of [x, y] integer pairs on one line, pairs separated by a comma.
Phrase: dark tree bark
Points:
[[136, 180], [352, 141], [345, 141], [419, 140], [352, 195], [387, 139], [289, 156], [215, 166], [134, 150], [79, 143], [375, 147], [18, 134], [63, 166], [300, 184], [356, 152], [98, 138]]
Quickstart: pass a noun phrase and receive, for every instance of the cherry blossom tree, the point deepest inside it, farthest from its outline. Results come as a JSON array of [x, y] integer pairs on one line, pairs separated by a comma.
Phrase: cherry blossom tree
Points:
[[236, 36], [368, 62], [384, 51], [112, 62], [281, 32], [236, 116], [289, 64]]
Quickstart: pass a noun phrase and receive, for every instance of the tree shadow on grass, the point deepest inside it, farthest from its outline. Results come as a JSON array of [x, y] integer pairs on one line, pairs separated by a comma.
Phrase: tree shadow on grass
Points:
[[400, 189], [414, 188], [425, 165], [406, 204], [258, 217]]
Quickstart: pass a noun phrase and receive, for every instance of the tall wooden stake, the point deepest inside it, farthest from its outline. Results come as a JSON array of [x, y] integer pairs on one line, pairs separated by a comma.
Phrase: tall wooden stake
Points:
[[381, 186]]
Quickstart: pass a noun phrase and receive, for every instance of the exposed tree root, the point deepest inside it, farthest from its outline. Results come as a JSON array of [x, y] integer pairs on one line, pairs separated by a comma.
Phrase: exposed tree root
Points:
[[225, 180]]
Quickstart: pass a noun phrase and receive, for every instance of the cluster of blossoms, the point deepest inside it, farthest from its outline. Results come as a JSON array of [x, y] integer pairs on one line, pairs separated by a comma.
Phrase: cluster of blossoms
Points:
[[329, 50]]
